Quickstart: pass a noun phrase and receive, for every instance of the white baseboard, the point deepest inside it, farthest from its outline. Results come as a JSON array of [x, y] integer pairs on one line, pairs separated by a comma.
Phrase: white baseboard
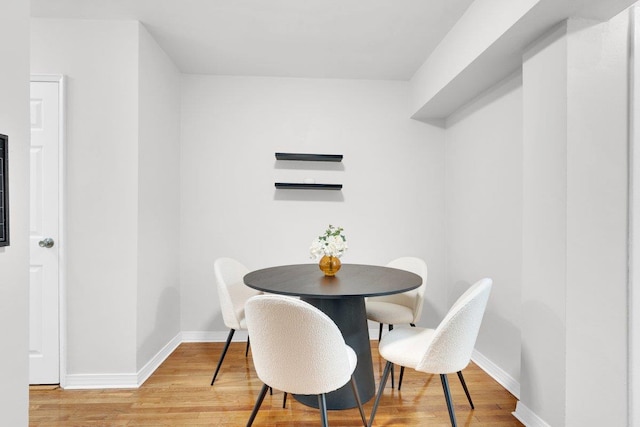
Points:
[[522, 413], [208, 336], [156, 361], [373, 335], [495, 372], [135, 380], [527, 417], [238, 336], [99, 381], [104, 381]]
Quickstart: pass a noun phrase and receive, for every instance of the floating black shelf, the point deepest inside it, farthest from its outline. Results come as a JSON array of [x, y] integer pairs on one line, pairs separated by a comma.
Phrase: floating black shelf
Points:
[[310, 157], [302, 186]]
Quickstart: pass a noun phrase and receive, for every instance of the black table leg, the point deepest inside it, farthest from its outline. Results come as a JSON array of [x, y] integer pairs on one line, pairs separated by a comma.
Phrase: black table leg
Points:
[[350, 315]]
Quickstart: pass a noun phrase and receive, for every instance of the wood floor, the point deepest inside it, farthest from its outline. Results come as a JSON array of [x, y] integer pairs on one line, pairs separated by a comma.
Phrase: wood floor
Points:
[[179, 394]]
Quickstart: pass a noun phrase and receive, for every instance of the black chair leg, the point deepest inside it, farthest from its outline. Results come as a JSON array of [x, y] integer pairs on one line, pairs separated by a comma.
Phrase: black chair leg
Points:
[[392, 385], [413, 325], [246, 351], [224, 352], [466, 390], [263, 392], [380, 332], [392, 381], [284, 399], [358, 401], [322, 404], [447, 396], [383, 382]]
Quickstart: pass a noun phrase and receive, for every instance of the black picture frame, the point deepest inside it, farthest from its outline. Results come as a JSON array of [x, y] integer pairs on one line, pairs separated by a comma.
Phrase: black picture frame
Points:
[[4, 190]]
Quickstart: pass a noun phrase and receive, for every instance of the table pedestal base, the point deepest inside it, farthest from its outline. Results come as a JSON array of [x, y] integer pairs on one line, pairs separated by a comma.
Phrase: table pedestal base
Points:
[[351, 317]]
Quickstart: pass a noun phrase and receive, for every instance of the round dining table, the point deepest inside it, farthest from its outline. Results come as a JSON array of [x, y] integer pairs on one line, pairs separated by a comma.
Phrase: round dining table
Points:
[[342, 298]]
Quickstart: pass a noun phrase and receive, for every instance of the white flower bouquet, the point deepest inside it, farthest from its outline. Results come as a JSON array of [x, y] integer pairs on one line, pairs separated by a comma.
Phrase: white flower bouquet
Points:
[[331, 243]]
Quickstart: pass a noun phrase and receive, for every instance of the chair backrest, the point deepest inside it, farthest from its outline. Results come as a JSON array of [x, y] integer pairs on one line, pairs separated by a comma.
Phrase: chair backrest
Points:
[[413, 299], [296, 347], [454, 339], [232, 292]]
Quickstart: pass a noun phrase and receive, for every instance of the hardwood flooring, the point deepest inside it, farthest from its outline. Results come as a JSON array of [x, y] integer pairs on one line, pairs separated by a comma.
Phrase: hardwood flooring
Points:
[[179, 394]]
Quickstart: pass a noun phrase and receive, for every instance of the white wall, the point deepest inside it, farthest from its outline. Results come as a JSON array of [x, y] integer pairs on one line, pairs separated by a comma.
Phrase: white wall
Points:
[[537, 177], [570, 155], [574, 292], [392, 202], [14, 259], [484, 214], [597, 156], [158, 310], [123, 182], [543, 308], [122, 288], [100, 60], [469, 57]]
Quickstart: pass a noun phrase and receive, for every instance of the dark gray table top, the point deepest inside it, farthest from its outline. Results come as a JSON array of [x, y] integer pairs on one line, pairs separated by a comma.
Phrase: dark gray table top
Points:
[[353, 280]]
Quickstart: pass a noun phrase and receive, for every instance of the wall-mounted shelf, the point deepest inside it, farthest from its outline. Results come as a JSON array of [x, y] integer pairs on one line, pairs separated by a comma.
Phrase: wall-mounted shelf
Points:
[[309, 157], [302, 186], [313, 158], [4, 190]]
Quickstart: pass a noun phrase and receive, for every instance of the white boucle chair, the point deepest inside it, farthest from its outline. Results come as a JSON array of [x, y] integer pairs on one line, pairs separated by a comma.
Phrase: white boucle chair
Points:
[[298, 349], [444, 350], [232, 293], [403, 308]]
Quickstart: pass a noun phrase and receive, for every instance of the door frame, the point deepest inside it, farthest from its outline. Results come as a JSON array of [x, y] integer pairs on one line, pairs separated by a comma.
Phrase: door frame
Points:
[[62, 264], [633, 244]]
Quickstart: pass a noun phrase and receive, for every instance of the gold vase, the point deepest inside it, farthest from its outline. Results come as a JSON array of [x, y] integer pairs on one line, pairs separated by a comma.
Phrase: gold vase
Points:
[[330, 265]]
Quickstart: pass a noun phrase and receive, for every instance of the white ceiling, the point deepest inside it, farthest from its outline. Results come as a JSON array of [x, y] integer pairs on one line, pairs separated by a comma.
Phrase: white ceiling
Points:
[[354, 39]]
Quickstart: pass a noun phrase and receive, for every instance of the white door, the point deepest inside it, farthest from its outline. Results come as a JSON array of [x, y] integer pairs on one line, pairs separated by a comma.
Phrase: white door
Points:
[[44, 342]]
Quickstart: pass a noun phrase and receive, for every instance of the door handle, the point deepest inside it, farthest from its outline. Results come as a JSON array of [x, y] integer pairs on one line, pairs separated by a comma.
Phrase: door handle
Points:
[[46, 243]]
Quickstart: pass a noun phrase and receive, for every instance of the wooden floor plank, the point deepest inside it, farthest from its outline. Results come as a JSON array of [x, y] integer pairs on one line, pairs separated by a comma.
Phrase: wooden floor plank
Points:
[[179, 394]]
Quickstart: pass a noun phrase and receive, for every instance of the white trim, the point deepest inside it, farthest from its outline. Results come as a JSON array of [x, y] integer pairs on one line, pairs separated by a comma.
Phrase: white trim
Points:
[[527, 417], [217, 336], [156, 361], [633, 242], [62, 198], [373, 334], [497, 373], [100, 381], [107, 381]]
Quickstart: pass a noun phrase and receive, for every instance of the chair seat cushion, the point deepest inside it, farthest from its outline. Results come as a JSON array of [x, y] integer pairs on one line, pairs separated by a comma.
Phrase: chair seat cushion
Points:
[[353, 358], [389, 313], [243, 323], [405, 346]]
